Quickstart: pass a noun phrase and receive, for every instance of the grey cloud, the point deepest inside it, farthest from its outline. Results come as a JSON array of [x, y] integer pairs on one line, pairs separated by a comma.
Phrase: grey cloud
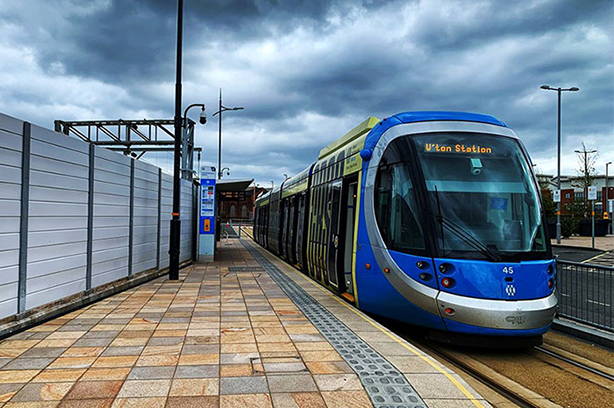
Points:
[[335, 62]]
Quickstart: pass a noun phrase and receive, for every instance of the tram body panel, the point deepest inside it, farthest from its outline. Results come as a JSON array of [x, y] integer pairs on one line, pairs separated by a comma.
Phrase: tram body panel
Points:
[[398, 262]]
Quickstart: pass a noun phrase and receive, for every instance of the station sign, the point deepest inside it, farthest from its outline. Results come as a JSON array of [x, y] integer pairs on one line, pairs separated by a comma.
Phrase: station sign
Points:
[[557, 196], [592, 193]]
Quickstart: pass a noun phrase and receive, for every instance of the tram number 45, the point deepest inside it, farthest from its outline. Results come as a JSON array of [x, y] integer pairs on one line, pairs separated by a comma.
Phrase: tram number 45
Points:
[[508, 269]]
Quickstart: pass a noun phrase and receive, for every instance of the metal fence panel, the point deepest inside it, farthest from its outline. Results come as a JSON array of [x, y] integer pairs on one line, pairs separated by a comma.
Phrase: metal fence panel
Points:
[[111, 217], [585, 293], [165, 218], [187, 224], [145, 236], [56, 268], [67, 220], [10, 186]]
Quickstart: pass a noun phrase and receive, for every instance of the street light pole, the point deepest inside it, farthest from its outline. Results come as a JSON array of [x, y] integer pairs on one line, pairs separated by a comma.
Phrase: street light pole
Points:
[[219, 144], [221, 109], [176, 221], [558, 171]]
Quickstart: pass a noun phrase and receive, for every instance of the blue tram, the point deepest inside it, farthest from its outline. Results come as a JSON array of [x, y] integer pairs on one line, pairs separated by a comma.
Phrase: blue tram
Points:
[[429, 218]]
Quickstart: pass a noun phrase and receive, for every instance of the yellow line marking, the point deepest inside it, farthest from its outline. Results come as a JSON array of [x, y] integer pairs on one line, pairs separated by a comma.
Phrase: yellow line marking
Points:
[[595, 257], [433, 364]]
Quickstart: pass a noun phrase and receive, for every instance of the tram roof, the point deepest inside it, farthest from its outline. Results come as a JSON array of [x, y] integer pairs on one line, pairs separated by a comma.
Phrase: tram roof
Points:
[[426, 116], [429, 116]]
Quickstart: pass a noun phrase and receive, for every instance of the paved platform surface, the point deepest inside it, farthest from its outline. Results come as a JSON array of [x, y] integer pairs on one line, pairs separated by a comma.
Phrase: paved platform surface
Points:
[[216, 338], [602, 243]]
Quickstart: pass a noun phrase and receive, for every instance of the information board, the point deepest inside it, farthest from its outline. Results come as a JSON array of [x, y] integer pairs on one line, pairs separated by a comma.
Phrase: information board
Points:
[[207, 200]]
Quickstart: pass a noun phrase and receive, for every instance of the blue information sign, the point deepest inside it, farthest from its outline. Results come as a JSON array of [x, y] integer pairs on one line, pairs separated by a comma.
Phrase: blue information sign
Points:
[[207, 201]]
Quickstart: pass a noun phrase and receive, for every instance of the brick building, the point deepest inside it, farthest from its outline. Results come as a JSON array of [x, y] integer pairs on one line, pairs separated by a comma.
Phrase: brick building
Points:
[[238, 205], [569, 191]]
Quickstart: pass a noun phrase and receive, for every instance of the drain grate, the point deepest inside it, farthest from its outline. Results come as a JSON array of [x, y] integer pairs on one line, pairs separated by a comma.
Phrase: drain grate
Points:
[[385, 385]]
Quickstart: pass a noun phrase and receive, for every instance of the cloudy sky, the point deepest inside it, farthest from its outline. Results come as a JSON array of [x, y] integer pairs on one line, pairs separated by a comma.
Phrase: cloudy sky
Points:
[[308, 71]]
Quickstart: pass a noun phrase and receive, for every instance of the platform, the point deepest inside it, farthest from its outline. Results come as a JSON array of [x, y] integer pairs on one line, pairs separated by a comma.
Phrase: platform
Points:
[[245, 331]]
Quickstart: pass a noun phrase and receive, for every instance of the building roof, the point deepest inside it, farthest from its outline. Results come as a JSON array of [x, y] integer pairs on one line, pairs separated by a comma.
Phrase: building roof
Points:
[[224, 186]]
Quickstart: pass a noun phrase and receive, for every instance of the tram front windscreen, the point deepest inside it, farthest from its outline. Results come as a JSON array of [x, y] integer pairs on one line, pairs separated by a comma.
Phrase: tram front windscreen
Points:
[[480, 188]]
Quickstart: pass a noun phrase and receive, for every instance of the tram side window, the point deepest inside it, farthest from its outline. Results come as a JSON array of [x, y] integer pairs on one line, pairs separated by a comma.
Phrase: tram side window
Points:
[[396, 209]]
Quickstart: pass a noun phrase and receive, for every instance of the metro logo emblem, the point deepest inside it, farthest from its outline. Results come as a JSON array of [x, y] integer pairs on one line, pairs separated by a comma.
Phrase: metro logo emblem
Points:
[[514, 320], [510, 290]]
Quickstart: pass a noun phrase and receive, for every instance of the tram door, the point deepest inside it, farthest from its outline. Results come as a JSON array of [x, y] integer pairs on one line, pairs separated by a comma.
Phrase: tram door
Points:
[[335, 246], [348, 242], [299, 232]]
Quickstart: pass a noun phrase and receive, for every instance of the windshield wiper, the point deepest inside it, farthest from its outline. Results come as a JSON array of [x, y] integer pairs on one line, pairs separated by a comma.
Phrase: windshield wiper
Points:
[[463, 234], [469, 239]]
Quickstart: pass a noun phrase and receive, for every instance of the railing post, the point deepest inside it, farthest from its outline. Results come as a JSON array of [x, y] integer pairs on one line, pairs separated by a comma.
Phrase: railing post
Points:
[[23, 220]]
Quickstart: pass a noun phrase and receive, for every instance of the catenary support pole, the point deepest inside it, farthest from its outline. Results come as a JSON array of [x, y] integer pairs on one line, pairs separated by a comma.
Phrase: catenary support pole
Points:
[[174, 243]]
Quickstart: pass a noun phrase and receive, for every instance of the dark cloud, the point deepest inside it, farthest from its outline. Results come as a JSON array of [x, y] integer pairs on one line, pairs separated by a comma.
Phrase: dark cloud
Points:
[[308, 71]]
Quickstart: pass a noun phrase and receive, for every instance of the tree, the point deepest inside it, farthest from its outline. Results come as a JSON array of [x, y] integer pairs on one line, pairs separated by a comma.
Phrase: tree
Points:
[[586, 171]]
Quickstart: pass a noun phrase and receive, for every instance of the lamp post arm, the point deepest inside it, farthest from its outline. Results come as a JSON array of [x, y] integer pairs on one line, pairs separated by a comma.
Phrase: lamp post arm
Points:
[[185, 112]]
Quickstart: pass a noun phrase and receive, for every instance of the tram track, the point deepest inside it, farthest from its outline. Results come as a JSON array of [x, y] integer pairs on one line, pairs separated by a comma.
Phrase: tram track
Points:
[[542, 376], [510, 390], [591, 368]]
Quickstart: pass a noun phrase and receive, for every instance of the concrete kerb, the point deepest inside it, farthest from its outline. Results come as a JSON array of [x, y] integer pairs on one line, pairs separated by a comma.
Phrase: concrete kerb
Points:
[[600, 337], [576, 247], [24, 321]]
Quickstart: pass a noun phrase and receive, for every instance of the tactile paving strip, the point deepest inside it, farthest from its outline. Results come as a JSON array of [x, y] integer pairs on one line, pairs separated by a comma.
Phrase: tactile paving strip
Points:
[[385, 385], [245, 269]]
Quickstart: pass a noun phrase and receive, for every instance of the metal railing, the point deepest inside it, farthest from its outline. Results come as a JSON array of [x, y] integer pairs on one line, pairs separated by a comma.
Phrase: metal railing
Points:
[[585, 293], [235, 228]]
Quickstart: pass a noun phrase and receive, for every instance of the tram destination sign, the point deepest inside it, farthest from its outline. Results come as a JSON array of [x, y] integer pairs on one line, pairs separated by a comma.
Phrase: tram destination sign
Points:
[[456, 148]]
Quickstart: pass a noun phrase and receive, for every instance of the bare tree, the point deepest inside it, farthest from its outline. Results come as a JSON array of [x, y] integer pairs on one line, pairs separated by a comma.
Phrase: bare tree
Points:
[[586, 170]]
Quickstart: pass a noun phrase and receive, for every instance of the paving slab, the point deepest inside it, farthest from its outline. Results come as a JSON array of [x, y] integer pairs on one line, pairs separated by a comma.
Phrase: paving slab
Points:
[[232, 333]]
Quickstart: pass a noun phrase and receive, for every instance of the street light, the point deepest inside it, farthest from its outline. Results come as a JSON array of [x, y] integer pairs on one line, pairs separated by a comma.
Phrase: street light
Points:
[[272, 186], [187, 142], [558, 181], [227, 172], [222, 108]]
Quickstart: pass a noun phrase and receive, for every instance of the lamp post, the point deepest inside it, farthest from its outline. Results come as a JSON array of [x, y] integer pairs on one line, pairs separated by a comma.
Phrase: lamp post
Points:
[[222, 108], [272, 186], [188, 138], [558, 166], [175, 221]]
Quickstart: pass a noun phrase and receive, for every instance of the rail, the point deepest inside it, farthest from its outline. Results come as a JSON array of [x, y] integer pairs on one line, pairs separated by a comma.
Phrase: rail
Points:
[[585, 293]]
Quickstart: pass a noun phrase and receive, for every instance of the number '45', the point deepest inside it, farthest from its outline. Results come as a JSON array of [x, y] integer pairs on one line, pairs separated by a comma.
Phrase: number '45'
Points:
[[508, 269]]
